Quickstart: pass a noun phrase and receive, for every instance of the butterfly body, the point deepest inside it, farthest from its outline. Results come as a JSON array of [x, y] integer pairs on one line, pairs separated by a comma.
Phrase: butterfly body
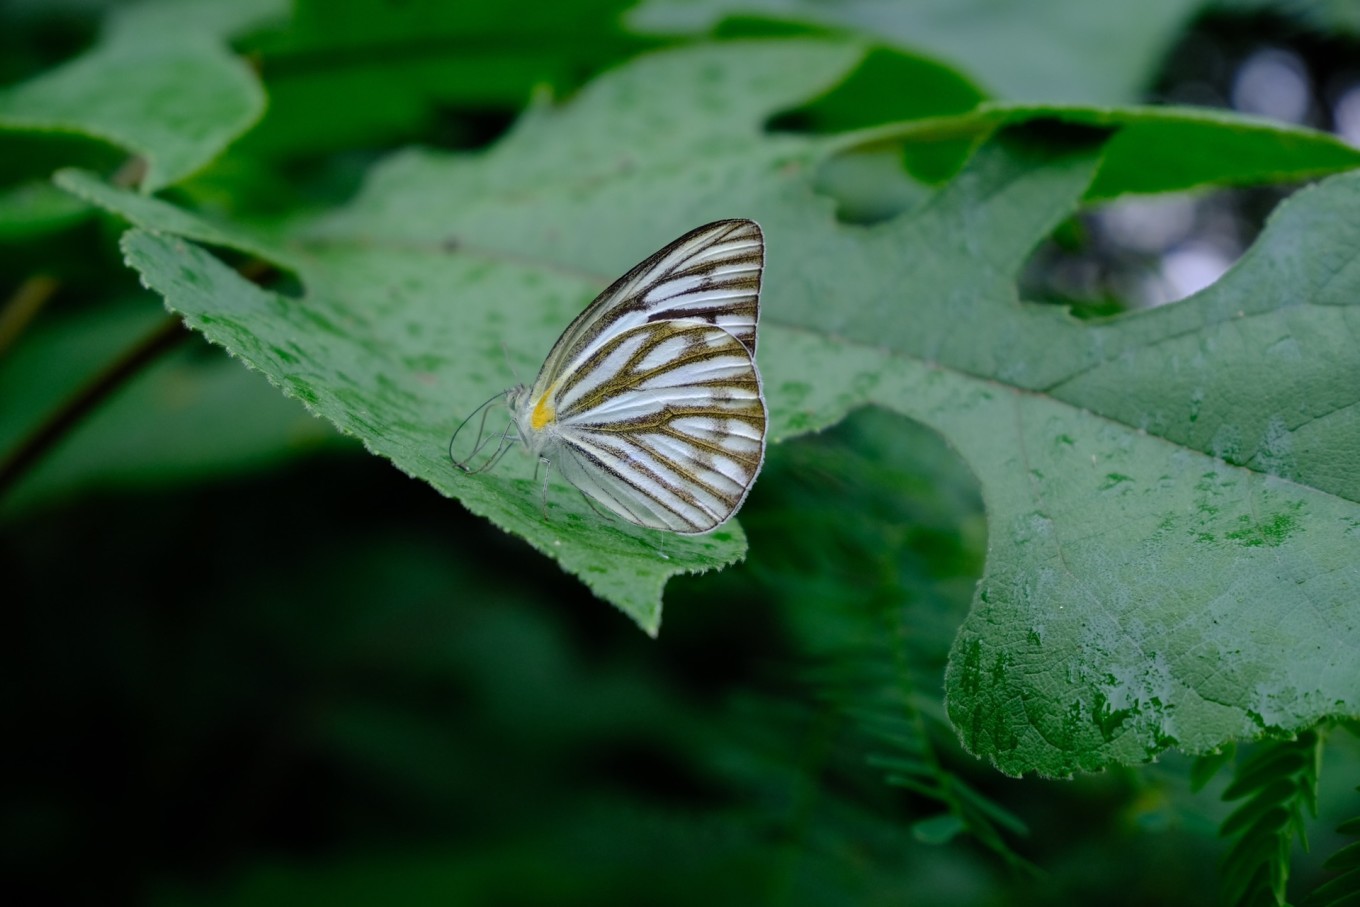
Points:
[[650, 402]]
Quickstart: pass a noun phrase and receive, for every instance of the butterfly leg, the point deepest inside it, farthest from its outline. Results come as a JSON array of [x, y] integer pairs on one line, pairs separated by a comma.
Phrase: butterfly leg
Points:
[[603, 514], [547, 468]]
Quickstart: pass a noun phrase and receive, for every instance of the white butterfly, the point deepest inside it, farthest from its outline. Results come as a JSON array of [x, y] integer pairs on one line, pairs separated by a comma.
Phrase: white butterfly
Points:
[[650, 402]]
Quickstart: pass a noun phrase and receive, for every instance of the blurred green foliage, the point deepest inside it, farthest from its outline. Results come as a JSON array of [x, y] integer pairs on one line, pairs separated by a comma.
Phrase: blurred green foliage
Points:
[[255, 665]]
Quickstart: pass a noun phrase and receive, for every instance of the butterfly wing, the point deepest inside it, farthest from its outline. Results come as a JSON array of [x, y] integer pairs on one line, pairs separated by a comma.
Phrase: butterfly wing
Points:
[[711, 274], [664, 425]]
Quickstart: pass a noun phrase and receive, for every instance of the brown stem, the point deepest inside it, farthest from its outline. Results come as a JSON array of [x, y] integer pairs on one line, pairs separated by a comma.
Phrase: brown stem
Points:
[[130, 173], [164, 338], [25, 303]]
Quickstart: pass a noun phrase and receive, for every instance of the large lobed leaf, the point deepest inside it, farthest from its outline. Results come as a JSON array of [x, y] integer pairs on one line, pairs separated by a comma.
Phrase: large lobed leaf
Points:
[[1044, 50], [160, 83], [1172, 495], [370, 72], [1152, 149]]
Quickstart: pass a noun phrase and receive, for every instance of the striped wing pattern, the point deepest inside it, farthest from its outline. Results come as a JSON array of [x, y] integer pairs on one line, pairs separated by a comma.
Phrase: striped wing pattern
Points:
[[669, 431], [711, 274], [651, 403]]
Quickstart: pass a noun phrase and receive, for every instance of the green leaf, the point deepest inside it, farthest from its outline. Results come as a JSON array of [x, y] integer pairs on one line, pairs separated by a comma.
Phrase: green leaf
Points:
[[910, 766], [34, 208], [311, 351], [1342, 889], [1339, 16], [1172, 495], [164, 217], [1204, 768], [939, 829], [367, 72], [1270, 798], [991, 810], [161, 84], [1268, 765], [1152, 149], [400, 274], [1045, 50], [1346, 858]]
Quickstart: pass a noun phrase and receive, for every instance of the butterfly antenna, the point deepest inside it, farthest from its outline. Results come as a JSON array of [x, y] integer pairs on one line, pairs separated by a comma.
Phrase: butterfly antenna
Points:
[[480, 443], [514, 372]]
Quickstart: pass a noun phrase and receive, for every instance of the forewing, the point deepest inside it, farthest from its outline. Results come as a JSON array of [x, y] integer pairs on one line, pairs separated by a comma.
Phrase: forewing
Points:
[[664, 425], [710, 275]]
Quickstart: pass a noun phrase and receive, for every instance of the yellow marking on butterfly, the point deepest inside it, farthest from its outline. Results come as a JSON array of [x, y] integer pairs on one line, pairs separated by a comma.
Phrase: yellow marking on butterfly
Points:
[[543, 412]]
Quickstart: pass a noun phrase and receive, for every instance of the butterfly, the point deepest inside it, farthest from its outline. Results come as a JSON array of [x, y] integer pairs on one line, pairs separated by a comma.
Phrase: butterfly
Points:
[[650, 403]]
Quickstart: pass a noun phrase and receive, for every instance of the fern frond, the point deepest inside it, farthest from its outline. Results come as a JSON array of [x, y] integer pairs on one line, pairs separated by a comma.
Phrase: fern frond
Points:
[[1345, 888], [907, 757], [877, 691], [874, 587], [1278, 784], [1207, 766], [877, 688]]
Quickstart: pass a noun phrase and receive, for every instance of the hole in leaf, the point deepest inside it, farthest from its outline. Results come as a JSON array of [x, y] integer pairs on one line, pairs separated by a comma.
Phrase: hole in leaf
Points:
[[1142, 251], [887, 87]]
